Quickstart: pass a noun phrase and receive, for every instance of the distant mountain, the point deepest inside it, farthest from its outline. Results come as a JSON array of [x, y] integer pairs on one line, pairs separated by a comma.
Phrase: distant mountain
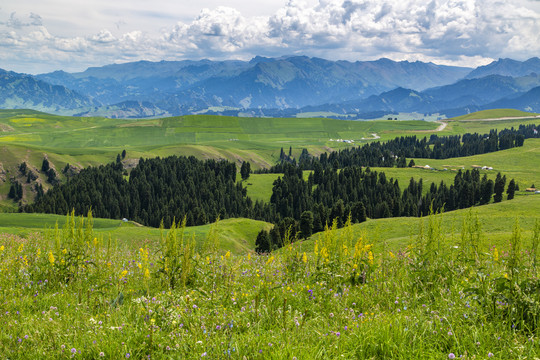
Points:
[[267, 83], [20, 91], [507, 67], [528, 101], [283, 86]]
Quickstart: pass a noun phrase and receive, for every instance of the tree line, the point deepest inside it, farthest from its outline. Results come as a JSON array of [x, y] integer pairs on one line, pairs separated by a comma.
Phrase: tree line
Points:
[[394, 152], [330, 194], [158, 189]]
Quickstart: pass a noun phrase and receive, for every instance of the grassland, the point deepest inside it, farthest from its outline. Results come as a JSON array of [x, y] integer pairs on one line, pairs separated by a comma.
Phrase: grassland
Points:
[[495, 114], [458, 285]]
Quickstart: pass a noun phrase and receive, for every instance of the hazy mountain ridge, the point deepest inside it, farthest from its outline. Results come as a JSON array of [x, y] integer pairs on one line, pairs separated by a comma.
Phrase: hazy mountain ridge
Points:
[[25, 91], [266, 83], [274, 87]]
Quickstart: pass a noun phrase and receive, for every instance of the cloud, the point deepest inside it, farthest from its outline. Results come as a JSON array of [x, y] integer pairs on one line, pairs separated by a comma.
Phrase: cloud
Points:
[[466, 32]]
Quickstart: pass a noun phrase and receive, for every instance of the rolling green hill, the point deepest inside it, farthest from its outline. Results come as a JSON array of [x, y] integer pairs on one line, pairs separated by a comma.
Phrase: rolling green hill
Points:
[[495, 114]]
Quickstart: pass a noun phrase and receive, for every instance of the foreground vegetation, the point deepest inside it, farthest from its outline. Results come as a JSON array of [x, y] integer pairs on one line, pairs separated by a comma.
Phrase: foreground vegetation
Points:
[[72, 294]]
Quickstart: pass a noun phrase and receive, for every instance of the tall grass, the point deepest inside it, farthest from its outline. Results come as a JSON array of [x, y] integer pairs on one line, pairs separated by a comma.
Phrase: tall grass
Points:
[[70, 294]]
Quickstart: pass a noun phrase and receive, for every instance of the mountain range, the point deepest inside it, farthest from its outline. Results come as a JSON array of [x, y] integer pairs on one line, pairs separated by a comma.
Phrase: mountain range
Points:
[[284, 86]]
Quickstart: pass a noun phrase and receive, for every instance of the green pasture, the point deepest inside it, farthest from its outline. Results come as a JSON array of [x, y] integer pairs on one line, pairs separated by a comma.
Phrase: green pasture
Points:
[[236, 235], [494, 114]]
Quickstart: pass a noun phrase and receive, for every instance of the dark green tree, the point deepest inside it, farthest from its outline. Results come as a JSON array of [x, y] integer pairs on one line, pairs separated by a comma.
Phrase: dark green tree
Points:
[[511, 189], [411, 163], [22, 168], [124, 154], [45, 165], [306, 224], [245, 170], [498, 188], [262, 243]]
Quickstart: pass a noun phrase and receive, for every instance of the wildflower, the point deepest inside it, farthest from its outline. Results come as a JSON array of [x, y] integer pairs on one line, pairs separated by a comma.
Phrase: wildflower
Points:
[[495, 255], [147, 273], [227, 254], [451, 356], [490, 354], [270, 260], [392, 255], [73, 350], [304, 258], [102, 354], [370, 258], [123, 274], [51, 258], [2, 248], [128, 355]]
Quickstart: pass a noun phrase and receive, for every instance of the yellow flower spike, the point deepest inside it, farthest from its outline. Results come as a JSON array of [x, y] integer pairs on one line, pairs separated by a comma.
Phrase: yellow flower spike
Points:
[[2, 248], [304, 258], [495, 255], [51, 258], [123, 274], [139, 265], [370, 258], [392, 255], [147, 274], [227, 254], [38, 252], [21, 247], [270, 260]]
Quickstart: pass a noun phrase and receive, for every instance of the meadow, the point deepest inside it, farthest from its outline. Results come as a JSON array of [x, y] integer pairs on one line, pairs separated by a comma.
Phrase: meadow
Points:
[[73, 293], [462, 284]]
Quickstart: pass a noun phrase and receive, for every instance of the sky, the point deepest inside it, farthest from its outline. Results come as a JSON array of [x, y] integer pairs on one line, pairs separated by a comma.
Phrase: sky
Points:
[[39, 36]]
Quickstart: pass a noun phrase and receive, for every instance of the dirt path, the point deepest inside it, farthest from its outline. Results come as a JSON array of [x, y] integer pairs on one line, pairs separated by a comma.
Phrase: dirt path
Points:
[[375, 137]]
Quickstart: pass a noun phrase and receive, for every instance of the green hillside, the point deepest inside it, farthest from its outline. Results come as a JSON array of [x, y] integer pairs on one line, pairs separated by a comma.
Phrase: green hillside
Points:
[[236, 235], [494, 114]]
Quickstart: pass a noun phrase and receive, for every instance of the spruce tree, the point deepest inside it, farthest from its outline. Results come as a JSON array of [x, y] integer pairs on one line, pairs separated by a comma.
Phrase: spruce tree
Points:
[[498, 188], [511, 189], [306, 224]]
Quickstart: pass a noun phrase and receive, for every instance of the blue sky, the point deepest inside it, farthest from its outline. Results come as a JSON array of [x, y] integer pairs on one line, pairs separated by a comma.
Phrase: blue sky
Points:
[[39, 36]]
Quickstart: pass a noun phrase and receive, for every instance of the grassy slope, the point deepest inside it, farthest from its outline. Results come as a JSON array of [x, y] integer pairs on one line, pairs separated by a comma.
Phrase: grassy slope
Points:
[[494, 113], [237, 235], [256, 138]]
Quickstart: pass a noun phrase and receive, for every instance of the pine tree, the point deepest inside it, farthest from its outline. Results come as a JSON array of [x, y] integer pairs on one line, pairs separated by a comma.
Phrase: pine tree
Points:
[[498, 188], [245, 169], [45, 165], [306, 224], [411, 163], [124, 154], [511, 189]]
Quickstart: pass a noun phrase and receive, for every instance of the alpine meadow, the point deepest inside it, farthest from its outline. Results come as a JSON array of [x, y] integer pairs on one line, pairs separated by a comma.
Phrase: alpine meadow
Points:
[[336, 179]]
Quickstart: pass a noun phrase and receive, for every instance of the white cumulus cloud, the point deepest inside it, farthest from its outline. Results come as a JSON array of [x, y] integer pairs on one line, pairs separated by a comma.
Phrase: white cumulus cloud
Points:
[[465, 32]]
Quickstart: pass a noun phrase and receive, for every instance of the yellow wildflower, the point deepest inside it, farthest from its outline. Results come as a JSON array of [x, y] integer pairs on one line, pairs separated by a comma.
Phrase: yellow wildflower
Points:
[[392, 255], [2, 248], [139, 265], [495, 255], [249, 256], [147, 274], [270, 260], [51, 258], [123, 274], [227, 254], [304, 258], [370, 258], [21, 247]]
